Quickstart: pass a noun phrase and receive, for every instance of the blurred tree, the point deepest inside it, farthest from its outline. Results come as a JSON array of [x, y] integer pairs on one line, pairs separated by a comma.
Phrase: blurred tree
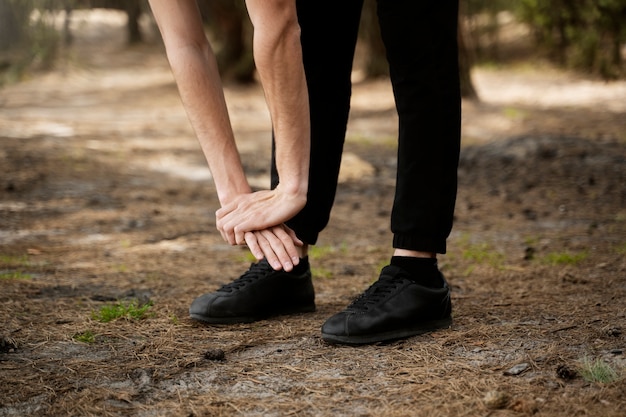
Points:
[[228, 22], [481, 26], [14, 17], [26, 39], [466, 62], [231, 29], [583, 34], [375, 64], [132, 8]]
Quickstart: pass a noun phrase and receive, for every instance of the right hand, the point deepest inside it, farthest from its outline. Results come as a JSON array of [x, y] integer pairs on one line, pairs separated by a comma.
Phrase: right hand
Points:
[[260, 210]]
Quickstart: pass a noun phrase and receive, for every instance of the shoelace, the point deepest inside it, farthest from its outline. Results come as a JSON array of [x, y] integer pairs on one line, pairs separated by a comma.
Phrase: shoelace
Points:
[[256, 271], [375, 293]]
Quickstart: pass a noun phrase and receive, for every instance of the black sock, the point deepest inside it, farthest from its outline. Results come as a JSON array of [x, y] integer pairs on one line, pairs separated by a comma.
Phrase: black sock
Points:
[[423, 271], [301, 267]]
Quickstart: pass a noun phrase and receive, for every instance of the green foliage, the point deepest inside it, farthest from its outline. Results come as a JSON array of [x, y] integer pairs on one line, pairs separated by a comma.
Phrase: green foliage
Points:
[[321, 273], [14, 261], [85, 337], [129, 310], [483, 253], [318, 252], [15, 264], [514, 113], [565, 258], [597, 371], [28, 38], [585, 34], [15, 275], [247, 257]]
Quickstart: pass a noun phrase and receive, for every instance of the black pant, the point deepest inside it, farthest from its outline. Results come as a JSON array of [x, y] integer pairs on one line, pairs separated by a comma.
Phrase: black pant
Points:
[[420, 37]]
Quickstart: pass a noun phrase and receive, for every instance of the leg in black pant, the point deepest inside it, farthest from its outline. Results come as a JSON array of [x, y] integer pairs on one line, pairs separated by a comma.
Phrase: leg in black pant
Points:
[[420, 38], [411, 296]]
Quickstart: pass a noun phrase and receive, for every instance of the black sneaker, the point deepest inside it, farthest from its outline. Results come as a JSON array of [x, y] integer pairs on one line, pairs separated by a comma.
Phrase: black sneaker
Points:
[[394, 307], [261, 292]]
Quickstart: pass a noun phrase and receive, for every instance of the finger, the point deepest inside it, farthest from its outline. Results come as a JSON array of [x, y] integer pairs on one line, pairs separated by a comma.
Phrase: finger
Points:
[[227, 230], [253, 245], [287, 244], [221, 230], [278, 247], [240, 236], [225, 209], [267, 250], [246, 222], [292, 235], [222, 227], [229, 238]]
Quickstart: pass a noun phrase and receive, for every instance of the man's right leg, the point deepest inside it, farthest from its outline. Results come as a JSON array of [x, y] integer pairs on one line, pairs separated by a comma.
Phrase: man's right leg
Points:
[[329, 33]]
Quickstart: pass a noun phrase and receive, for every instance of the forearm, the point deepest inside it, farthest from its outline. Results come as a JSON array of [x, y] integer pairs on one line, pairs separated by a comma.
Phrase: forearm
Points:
[[195, 70], [200, 90], [278, 58]]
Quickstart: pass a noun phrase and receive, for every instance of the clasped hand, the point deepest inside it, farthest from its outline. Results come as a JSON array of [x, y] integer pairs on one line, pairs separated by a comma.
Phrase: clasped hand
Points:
[[257, 220]]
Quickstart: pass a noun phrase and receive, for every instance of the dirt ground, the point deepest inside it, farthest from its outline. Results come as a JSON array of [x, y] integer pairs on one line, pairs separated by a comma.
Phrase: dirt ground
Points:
[[105, 198]]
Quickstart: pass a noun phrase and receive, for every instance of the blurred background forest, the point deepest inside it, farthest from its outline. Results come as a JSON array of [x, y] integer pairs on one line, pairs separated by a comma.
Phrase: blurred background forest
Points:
[[584, 35]]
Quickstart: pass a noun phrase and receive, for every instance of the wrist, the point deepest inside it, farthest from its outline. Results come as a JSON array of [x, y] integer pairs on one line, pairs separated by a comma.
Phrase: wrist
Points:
[[294, 189], [227, 197]]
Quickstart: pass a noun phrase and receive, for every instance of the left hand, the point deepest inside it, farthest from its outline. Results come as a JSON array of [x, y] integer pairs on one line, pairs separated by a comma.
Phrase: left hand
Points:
[[277, 244]]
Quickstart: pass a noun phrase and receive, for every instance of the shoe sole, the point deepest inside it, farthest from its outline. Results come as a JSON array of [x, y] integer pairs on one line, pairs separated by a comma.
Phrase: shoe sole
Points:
[[387, 336], [251, 319]]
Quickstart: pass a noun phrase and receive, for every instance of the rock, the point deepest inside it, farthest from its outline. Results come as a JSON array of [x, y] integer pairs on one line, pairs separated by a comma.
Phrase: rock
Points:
[[496, 400], [215, 355], [517, 369]]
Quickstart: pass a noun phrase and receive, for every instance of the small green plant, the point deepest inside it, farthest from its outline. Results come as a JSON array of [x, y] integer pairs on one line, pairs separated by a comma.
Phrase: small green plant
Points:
[[483, 253], [248, 257], [468, 271], [565, 258], [15, 275], [321, 273], [597, 371], [317, 252], [531, 240], [514, 113], [14, 261], [85, 337], [129, 310]]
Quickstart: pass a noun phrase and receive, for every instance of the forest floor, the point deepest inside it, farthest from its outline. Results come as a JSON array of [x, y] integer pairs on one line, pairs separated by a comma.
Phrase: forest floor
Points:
[[105, 201]]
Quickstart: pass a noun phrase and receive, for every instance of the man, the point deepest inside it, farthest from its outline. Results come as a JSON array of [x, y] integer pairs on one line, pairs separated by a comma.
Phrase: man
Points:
[[411, 296]]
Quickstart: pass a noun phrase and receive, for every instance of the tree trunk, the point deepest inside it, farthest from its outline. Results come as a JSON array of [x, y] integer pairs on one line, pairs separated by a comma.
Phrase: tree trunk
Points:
[[465, 66], [12, 21], [133, 11], [376, 59], [228, 20]]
